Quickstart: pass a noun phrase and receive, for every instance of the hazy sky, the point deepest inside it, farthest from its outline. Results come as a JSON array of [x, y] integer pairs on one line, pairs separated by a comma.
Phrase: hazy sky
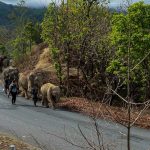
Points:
[[35, 3], [38, 3]]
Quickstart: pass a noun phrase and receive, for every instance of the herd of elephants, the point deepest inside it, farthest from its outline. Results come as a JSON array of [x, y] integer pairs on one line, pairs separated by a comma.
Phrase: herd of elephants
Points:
[[47, 92]]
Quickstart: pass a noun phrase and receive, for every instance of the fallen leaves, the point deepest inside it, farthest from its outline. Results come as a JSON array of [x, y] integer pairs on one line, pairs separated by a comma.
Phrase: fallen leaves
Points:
[[104, 111], [6, 141]]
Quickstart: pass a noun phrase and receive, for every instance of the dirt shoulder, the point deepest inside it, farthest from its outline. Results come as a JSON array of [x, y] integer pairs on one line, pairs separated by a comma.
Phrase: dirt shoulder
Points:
[[7, 140], [103, 111]]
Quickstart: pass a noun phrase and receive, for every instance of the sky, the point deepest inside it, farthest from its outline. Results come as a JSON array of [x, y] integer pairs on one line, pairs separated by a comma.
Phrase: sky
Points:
[[41, 3]]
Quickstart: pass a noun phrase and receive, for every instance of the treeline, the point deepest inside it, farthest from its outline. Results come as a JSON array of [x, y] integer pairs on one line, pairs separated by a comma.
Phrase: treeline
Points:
[[109, 51], [9, 12], [21, 30]]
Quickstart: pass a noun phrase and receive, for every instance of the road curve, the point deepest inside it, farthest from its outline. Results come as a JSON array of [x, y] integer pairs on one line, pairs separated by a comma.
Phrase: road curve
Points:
[[44, 127]]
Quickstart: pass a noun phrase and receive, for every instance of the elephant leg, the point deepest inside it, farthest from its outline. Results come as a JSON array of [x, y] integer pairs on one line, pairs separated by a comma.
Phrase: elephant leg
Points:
[[42, 102], [26, 94], [52, 102], [0, 68], [46, 103], [50, 98], [5, 89]]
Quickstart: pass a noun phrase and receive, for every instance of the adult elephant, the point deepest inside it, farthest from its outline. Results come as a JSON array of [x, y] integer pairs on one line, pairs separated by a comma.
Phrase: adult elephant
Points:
[[23, 85], [10, 73], [37, 78], [1, 63], [4, 62], [50, 94]]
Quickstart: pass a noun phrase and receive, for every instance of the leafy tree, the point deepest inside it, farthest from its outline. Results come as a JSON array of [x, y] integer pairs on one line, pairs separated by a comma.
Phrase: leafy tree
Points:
[[78, 30], [32, 33], [132, 27], [37, 33], [3, 50], [27, 33]]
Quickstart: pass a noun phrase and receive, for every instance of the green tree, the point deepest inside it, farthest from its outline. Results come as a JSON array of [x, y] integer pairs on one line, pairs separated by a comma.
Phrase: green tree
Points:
[[78, 30], [136, 24], [3, 49], [27, 32]]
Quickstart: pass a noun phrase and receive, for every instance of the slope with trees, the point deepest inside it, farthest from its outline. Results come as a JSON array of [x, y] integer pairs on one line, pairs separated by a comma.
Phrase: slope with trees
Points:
[[77, 32], [7, 13]]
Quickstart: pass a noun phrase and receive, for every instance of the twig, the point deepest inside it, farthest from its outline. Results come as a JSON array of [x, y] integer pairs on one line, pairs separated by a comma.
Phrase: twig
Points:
[[85, 138], [39, 145], [146, 107], [141, 61]]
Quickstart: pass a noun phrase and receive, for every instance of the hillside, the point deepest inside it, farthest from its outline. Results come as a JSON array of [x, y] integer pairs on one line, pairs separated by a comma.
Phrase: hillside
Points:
[[40, 60], [7, 11]]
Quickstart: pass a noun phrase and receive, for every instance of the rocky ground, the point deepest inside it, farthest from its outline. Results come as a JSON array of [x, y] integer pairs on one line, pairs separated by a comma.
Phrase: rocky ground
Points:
[[7, 140]]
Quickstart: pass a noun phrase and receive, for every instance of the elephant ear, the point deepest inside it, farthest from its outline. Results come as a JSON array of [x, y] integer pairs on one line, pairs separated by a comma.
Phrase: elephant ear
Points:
[[30, 77]]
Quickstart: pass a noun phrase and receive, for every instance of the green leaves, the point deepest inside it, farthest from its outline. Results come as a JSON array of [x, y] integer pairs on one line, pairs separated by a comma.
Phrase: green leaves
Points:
[[131, 38], [77, 33]]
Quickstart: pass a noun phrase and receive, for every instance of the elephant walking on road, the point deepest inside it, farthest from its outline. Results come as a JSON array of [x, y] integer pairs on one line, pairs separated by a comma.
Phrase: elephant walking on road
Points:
[[50, 95]]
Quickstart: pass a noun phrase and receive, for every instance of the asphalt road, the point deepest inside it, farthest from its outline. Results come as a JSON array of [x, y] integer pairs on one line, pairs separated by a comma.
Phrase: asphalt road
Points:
[[46, 128]]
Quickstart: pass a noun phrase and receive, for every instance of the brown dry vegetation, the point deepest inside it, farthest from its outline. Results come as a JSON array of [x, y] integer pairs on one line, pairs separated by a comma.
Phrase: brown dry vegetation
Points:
[[7, 140], [103, 111], [30, 60]]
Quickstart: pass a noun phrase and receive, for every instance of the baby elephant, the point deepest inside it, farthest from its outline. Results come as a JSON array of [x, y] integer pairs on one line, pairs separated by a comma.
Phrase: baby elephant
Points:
[[50, 94]]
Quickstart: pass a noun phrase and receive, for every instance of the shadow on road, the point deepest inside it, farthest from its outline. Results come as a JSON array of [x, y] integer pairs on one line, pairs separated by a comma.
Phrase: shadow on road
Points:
[[27, 105], [8, 106]]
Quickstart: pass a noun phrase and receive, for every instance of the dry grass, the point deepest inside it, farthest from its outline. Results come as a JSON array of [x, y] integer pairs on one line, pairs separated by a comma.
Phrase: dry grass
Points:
[[103, 111], [45, 61], [30, 60], [6, 141], [40, 60]]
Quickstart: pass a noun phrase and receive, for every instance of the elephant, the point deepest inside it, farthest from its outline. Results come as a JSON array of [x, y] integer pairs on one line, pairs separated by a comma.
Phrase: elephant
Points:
[[4, 62], [50, 94], [35, 79], [10, 73], [1, 63], [23, 85]]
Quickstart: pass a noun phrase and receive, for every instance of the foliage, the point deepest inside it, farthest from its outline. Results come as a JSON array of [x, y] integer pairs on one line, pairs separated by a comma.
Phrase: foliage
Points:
[[78, 29], [5, 35], [8, 12], [27, 33], [2, 50], [132, 29]]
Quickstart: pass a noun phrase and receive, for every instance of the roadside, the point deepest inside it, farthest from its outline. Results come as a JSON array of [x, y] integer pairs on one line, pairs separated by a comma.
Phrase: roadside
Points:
[[103, 111], [7, 140], [41, 59]]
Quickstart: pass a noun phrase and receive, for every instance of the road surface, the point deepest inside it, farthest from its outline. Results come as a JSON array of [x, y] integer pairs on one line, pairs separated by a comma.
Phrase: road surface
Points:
[[46, 127]]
